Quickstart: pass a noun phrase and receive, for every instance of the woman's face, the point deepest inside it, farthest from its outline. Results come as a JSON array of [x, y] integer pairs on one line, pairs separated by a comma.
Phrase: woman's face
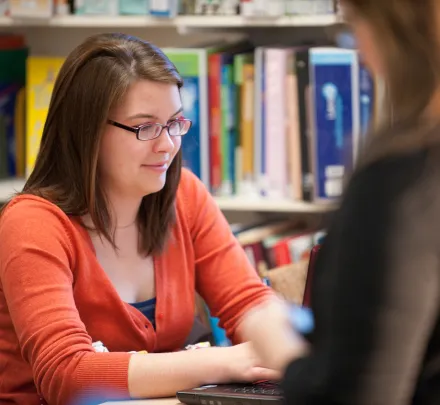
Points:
[[129, 167]]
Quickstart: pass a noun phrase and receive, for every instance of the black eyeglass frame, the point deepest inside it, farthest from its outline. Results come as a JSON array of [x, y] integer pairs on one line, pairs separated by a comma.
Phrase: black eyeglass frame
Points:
[[138, 128]]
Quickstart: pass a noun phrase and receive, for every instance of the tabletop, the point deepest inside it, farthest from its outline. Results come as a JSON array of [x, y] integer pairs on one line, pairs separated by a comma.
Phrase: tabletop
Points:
[[156, 401]]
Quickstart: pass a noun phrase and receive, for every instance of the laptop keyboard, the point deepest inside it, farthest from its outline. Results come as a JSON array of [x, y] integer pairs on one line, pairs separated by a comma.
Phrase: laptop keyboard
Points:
[[258, 389]]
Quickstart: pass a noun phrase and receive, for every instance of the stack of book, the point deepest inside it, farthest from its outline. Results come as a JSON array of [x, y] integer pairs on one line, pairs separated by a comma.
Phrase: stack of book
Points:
[[165, 8], [272, 247]]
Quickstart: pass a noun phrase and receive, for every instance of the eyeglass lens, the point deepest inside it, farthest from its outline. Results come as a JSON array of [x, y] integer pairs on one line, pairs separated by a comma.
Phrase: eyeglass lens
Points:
[[175, 128]]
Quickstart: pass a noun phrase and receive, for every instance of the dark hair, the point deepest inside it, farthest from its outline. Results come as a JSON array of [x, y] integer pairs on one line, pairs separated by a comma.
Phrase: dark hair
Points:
[[92, 80], [408, 43]]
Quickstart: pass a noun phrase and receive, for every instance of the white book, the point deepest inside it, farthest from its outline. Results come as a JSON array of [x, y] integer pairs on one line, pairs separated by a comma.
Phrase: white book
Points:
[[32, 8], [163, 8], [263, 8]]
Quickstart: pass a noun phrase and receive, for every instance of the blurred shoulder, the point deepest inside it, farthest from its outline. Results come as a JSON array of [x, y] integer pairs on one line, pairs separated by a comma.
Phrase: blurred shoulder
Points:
[[395, 186]]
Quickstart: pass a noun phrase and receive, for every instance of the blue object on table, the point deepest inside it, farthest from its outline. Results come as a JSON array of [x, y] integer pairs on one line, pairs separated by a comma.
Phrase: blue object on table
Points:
[[302, 319]]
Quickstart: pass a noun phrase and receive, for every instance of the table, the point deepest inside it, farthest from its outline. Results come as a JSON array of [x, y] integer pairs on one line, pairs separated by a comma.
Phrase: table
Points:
[[156, 401]]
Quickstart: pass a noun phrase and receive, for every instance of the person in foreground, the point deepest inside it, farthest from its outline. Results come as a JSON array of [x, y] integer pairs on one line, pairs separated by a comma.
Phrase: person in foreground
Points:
[[376, 289], [109, 222]]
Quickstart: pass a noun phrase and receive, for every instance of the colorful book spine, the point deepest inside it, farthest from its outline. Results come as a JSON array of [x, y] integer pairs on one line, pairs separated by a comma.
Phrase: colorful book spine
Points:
[[215, 155], [41, 75], [227, 143], [9, 97], [303, 98], [335, 117], [13, 54], [275, 122], [259, 122], [293, 142], [247, 127]]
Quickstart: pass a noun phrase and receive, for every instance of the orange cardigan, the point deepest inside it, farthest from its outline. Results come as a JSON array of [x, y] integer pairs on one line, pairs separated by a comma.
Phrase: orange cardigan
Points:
[[55, 299]]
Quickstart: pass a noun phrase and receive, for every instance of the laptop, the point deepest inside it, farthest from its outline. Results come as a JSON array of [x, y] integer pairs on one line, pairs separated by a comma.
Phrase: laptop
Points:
[[258, 393]]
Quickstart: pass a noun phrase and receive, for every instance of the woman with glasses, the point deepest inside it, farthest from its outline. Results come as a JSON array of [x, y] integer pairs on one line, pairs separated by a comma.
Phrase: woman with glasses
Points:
[[376, 289], [103, 251]]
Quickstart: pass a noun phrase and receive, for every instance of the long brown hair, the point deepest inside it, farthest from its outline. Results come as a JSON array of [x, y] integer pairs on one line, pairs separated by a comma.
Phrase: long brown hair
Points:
[[92, 80], [408, 43]]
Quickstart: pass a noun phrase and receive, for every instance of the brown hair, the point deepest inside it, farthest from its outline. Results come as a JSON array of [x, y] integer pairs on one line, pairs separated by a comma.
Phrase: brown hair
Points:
[[408, 39], [94, 77]]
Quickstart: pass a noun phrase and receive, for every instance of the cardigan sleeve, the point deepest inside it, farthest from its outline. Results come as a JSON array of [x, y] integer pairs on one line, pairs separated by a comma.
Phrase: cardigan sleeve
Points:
[[36, 277], [376, 291], [225, 278]]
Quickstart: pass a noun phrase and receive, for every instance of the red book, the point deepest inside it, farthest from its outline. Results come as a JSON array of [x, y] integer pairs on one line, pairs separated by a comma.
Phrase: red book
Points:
[[215, 114]]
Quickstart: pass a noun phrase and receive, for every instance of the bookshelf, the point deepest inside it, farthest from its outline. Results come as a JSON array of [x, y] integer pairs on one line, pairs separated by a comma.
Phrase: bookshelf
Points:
[[238, 204], [56, 36], [236, 21], [269, 205]]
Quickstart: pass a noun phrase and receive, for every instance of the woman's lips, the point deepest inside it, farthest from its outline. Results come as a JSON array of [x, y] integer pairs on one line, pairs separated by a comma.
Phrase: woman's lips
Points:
[[157, 167]]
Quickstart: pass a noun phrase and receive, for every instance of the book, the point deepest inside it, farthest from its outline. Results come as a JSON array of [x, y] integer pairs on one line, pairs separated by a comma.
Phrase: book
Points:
[[192, 66], [31, 8], [41, 75], [335, 118], [13, 54]]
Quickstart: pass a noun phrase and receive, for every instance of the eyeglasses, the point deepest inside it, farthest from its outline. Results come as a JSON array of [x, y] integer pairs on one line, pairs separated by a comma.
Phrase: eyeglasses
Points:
[[147, 132]]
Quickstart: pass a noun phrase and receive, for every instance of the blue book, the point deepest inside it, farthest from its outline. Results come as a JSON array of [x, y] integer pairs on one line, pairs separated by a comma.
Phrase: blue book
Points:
[[366, 100], [192, 66], [335, 111], [9, 102], [163, 8]]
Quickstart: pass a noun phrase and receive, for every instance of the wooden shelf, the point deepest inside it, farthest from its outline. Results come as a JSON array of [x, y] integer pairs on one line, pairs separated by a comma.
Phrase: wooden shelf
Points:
[[9, 186], [268, 205], [191, 21]]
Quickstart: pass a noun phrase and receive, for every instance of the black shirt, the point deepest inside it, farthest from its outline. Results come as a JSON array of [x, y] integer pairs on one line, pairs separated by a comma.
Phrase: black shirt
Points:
[[376, 292]]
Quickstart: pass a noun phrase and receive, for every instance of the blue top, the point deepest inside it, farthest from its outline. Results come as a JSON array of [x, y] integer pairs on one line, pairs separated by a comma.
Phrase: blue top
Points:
[[148, 308]]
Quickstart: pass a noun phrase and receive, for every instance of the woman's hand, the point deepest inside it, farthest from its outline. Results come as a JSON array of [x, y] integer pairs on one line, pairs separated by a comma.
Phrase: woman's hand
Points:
[[277, 343], [168, 373], [243, 365]]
